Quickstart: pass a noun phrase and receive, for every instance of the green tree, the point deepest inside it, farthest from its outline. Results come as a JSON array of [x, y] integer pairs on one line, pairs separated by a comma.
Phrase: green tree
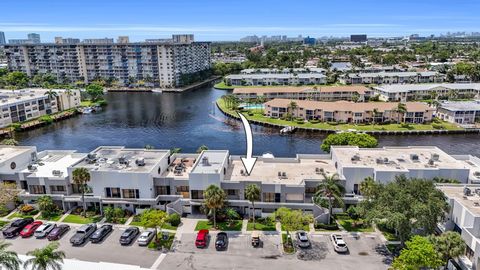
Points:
[[176, 150], [95, 91], [51, 94], [449, 245], [47, 206], [292, 106], [361, 140], [81, 177], [202, 148], [153, 218], [368, 188], [292, 220], [45, 258], [252, 194], [418, 254], [406, 205], [8, 259], [214, 200], [232, 215], [11, 142], [332, 189], [401, 111], [16, 80]]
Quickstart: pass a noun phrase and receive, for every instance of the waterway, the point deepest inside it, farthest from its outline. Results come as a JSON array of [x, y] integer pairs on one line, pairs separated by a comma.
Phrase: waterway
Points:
[[190, 119]]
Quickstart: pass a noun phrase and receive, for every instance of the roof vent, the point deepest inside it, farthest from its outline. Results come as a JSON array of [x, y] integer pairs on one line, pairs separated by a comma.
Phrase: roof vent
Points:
[[467, 191], [32, 168], [356, 157], [414, 157], [205, 161], [140, 161], [57, 173], [435, 157]]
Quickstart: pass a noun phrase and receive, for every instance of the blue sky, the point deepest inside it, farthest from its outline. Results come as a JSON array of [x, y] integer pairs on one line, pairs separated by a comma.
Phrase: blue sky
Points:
[[232, 19]]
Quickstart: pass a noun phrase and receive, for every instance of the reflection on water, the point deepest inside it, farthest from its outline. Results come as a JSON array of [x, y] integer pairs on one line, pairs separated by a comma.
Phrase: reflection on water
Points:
[[188, 120]]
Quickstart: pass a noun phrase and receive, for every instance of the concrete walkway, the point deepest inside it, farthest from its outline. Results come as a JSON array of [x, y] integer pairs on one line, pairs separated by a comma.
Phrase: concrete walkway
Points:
[[244, 226], [65, 215], [129, 220]]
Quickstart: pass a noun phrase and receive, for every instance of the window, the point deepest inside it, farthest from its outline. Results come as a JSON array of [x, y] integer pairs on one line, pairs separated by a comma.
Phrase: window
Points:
[[112, 192], [269, 197], [37, 189], [57, 188], [197, 194], [310, 190], [232, 192], [162, 190], [130, 193], [182, 189]]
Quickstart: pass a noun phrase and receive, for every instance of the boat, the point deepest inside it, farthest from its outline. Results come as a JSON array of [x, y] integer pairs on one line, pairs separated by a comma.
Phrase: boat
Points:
[[86, 110], [286, 130]]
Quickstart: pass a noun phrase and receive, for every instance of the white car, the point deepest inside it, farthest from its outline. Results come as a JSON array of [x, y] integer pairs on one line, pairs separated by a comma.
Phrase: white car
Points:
[[302, 239], [44, 230], [339, 244], [145, 238]]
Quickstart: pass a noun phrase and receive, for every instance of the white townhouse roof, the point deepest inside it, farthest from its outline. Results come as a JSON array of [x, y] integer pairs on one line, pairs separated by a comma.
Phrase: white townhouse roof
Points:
[[461, 105], [398, 88]]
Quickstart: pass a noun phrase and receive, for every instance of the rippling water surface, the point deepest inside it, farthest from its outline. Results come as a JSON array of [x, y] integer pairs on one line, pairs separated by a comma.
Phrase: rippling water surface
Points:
[[188, 120]]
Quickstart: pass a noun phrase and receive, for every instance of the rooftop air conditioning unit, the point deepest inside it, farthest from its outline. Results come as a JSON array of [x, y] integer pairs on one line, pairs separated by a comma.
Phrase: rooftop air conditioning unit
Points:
[[56, 173], [205, 161], [431, 162], [467, 191], [356, 157], [414, 157], [140, 161], [379, 160], [435, 156], [92, 156], [122, 160], [32, 168]]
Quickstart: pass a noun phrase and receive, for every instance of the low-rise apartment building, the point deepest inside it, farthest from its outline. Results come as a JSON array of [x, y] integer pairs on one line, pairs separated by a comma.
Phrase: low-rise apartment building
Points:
[[282, 71], [318, 93], [407, 92], [137, 179], [349, 112], [460, 112], [276, 79], [26, 104], [392, 77]]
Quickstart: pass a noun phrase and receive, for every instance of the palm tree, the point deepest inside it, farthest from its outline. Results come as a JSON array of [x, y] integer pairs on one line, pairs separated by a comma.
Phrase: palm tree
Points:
[[401, 110], [81, 176], [252, 193], [51, 95], [202, 148], [8, 259], [375, 113], [292, 106], [331, 188], [45, 258], [214, 199], [69, 94]]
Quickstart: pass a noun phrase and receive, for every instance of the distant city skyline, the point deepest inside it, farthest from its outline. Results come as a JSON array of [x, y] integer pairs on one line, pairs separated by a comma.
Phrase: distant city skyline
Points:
[[215, 20]]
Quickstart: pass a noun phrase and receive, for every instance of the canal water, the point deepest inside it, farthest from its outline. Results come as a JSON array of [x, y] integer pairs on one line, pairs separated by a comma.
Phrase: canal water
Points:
[[188, 120]]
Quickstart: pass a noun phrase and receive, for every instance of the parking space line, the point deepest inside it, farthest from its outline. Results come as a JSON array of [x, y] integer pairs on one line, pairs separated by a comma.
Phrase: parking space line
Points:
[[158, 261]]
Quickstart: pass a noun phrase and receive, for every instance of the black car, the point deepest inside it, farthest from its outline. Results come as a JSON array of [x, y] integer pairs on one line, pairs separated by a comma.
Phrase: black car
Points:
[[129, 235], [16, 227], [221, 242], [58, 232], [101, 233], [83, 234]]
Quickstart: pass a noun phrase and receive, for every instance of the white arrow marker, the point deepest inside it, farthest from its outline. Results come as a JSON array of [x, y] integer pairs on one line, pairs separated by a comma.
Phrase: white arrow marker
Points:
[[249, 161]]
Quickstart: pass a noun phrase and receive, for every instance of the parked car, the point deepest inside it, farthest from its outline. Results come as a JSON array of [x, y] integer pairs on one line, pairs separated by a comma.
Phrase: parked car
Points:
[[30, 229], [145, 238], [101, 233], [339, 244], [58, 232], [221, 243], [129, 235], [83, 234], [202, 239], [16, 227], [302, 239], [44, 230]]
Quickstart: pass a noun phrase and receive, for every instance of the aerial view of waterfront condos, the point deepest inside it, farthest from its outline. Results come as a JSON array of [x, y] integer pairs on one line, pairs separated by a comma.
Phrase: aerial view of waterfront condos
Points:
[[26, 104], [350, 112], [136, 179]]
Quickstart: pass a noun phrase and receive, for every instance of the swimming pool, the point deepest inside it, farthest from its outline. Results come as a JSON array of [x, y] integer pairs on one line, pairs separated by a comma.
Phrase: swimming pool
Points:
[[252, 106]]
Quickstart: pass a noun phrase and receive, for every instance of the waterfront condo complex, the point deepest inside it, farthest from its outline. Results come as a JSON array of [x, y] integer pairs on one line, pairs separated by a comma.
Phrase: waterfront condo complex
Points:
[[164, 64]]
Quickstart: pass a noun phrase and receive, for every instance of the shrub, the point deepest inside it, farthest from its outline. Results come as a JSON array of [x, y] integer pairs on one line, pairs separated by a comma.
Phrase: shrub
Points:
[[174, 219], [3, 210], [313, 121], [300, 122], [352, 211], [333, 123], [46, 119], [438, 126], [102, 103], [26, 208], [406, 125], [329, 227], [349, 138]]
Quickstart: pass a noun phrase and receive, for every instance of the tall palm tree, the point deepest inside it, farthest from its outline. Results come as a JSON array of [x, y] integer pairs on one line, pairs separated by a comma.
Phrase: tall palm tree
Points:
[[51, 95], [45, 258], [81, 176], [401, 110], [252, 193], [292, 107], [8, 259], [331, 188], [375, 113], [214, 199]]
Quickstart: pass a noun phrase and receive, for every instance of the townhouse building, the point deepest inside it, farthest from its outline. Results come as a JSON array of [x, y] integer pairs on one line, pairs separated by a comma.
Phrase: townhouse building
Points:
[[349, 112], [27, 104], [155, 63], [137, 179], [282, 71], [392, 77], [408, 92], [460, 112], [276, 79], [319, 93]]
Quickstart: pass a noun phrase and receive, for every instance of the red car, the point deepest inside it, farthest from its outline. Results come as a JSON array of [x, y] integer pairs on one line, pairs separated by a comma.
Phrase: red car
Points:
[[202, 238], [30, 229]]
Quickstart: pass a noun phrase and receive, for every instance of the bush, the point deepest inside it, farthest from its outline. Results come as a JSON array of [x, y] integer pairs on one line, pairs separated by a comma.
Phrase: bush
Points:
[[349, 138], [333, 123], [174, 219], [313, 121], [328, 227], [406, 125], [352, 212], [438, 126], [26, 209], [102, 103], [3, 210], [46, 119]]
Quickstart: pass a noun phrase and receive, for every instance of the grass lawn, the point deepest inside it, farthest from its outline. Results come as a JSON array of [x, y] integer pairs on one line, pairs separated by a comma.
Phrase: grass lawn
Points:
[[52, 218], [165, 243], [81, 220], [167, 226], [305, 228], [349, 224], [3, 223], [19, 215], [222, 86], [261, 226], [222, 226], [287, 247], [86, 103], [389, 234], [258, 116]]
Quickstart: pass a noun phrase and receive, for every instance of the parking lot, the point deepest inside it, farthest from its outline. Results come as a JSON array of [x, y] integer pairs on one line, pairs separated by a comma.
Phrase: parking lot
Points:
[[109, 250], [365, 253]]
